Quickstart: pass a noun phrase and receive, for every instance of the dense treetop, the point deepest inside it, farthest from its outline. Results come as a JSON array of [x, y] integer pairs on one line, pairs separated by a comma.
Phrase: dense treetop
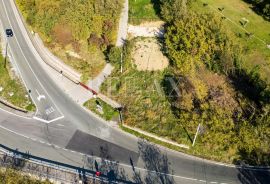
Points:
[[261, 6]]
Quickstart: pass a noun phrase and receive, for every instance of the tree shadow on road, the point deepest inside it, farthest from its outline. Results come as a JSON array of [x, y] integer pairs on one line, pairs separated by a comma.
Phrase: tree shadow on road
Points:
[[252, 176], [156, 163], [107, 166], [157, 167]]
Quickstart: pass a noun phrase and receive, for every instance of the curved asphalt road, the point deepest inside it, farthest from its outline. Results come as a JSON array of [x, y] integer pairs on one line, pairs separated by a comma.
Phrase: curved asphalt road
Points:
[[73, 131]]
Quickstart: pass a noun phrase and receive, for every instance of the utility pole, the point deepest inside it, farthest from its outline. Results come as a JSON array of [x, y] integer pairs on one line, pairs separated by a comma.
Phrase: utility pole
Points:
[[5, 62], [120, 114], [122, 61], [194, 140]]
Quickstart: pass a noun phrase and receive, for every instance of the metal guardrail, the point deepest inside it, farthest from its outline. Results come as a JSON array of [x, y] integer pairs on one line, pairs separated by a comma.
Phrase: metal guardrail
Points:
[[86, 174]]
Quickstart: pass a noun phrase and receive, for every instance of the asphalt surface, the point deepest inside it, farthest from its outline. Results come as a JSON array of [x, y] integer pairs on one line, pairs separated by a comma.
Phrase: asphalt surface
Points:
[[63, 131]]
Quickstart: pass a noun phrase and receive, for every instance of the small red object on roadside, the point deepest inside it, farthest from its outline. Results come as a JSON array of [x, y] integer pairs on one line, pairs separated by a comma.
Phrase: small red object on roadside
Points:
[[98, 173]]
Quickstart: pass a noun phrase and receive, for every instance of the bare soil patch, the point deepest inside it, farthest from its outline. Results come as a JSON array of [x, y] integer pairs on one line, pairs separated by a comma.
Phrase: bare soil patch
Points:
[[147, 55], [147, 29]]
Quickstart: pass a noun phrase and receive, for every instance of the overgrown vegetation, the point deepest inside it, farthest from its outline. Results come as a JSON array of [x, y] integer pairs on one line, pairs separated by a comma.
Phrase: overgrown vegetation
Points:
[[77, 31], [10, 176], [12, 90], [208, 83], [102, 109]]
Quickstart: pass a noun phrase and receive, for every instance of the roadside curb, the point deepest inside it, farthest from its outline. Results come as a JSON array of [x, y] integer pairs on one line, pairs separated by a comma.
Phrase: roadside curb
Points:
[[6, 103], [155, 137]]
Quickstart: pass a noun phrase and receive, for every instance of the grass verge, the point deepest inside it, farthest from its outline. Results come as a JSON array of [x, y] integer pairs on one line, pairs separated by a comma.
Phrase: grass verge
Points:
[[102, 109], [11, 88], [151, 139]]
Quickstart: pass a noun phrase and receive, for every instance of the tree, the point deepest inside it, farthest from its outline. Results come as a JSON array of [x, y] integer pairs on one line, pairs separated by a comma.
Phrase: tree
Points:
[[173, 9], [114, 55]]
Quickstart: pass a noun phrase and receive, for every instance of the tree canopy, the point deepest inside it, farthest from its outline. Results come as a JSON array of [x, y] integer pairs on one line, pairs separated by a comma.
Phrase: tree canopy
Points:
[[261, 6]]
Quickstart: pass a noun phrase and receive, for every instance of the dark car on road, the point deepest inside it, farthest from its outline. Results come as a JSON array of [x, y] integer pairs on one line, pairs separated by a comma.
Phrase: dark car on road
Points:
[[9, 32]]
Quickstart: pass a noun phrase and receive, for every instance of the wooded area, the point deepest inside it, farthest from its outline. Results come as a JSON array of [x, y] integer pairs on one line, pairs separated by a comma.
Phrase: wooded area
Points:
[[234, 114]]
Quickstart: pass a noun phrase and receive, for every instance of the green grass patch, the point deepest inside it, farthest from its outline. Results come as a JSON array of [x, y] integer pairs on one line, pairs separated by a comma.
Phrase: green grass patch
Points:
[[257, 52], [142, 11], [107, 112], [13, 86]]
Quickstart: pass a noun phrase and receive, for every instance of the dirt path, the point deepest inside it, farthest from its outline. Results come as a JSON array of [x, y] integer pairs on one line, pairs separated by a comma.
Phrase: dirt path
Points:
[[123, 26]]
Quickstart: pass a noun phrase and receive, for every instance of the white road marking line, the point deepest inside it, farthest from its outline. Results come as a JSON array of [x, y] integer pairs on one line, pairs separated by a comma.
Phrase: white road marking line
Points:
[[16, 133], [40, 97], [125, 165], [56, 119], [20, 73], [42, 120], [46, 121], [25, 56], [49, 110], [14, 114], [202, 181]]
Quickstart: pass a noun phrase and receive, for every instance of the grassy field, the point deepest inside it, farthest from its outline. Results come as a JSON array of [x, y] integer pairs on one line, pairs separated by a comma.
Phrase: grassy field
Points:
[[142, 10], [14, 86], [108, 114], [236, 11]]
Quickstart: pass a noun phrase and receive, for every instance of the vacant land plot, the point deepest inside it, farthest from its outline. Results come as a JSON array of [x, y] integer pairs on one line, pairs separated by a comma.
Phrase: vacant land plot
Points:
[[142, 11], [252, 30], [147, 55]]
